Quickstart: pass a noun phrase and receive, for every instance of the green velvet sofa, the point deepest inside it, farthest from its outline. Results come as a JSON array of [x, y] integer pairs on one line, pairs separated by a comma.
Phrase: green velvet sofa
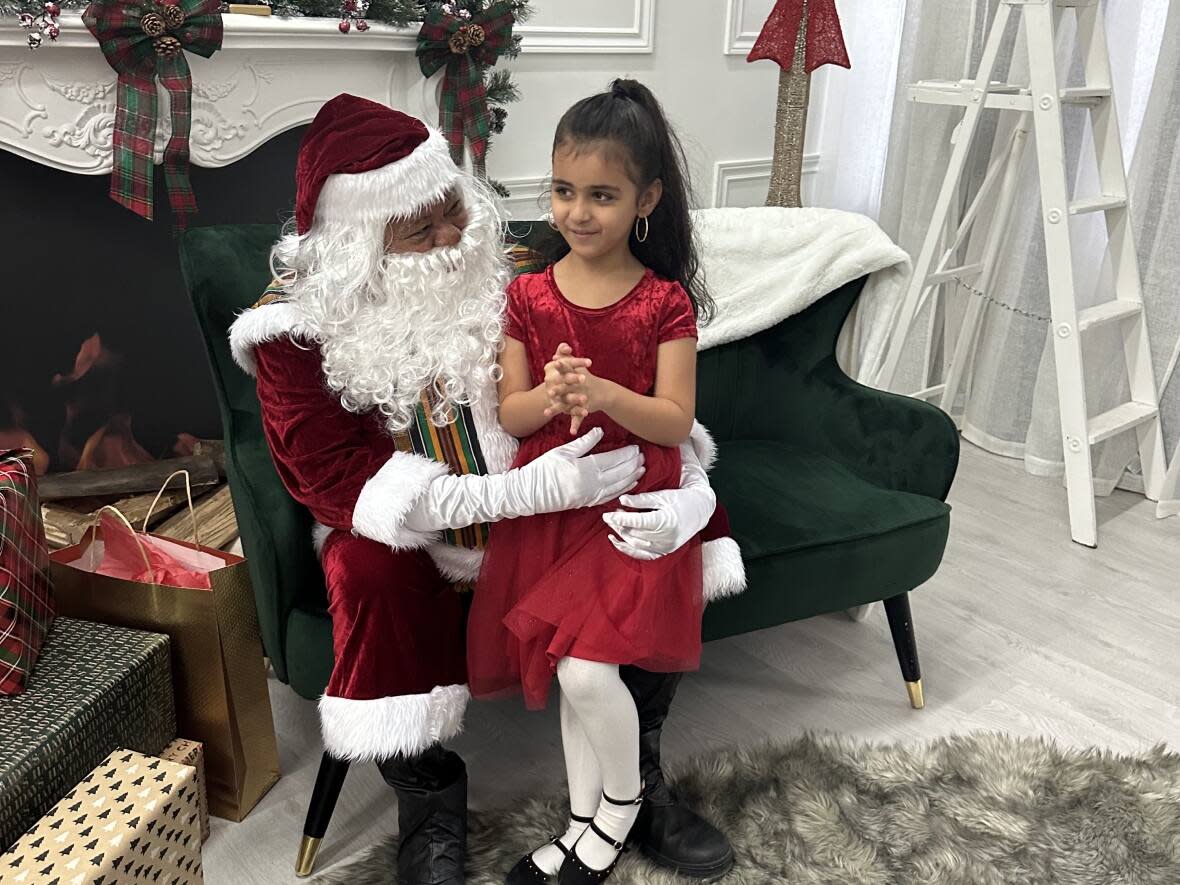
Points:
[[836, 492]]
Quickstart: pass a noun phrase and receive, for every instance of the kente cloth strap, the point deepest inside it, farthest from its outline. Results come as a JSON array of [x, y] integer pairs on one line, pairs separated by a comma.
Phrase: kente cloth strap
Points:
[[457, 446], [143, 40], [464, 46]]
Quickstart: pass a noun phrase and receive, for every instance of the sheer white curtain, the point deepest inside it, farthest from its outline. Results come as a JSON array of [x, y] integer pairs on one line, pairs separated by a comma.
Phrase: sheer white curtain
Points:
[[1155, 183], [1011, 407], [853, 113]]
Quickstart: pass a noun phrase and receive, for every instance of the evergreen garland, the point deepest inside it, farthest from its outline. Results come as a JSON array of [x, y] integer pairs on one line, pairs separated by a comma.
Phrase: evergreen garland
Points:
[[398, 13]]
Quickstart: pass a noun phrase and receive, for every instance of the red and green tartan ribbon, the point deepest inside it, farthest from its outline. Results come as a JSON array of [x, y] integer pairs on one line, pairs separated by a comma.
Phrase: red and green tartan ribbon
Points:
[[26, 598], [143, 41], [464, 46]]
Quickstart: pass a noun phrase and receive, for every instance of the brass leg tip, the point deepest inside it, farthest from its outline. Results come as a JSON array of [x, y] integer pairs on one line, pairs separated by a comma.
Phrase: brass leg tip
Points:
[[308, 848], [917, 699]]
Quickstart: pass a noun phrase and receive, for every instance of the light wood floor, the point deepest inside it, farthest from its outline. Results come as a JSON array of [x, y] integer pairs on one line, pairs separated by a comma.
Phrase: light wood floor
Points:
[[1021, 631]]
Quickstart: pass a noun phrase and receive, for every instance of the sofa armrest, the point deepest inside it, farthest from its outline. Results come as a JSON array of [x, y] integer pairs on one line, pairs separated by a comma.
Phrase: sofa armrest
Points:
[[890, 440]]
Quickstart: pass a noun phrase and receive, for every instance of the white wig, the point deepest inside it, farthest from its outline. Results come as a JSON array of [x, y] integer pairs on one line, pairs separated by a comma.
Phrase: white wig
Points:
[[391, 326]]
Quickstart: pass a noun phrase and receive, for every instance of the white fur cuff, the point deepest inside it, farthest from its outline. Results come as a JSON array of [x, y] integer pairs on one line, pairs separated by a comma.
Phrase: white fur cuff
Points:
[[364, 731], [259, 325], [724, 571], [388, 497], [703, 444], [456, 563]]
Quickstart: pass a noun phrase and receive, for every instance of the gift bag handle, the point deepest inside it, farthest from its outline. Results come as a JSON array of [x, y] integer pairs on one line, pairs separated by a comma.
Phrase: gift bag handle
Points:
[[192, 511], [123, 519]]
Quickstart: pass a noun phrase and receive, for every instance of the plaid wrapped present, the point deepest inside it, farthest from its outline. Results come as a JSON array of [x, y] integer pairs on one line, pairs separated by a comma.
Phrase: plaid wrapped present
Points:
[[26, 603], [96, 688]]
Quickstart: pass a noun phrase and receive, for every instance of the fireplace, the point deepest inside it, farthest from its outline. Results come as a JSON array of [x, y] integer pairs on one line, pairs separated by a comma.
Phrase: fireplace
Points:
[[103, 365]]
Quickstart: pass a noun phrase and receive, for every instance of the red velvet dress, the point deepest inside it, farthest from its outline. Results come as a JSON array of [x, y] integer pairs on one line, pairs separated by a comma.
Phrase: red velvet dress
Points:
[[553, 585]]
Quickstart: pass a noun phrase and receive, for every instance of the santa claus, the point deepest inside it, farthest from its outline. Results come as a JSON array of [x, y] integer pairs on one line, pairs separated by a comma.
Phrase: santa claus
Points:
[[375, 360]]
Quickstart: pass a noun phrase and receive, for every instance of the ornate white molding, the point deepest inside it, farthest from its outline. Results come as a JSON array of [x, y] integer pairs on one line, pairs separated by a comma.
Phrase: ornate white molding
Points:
[[738, 41], [57, 105], [637, 37], [727, 172], [525, 200]]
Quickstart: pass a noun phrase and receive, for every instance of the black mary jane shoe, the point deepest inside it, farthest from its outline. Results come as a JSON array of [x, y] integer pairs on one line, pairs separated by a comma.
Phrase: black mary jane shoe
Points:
[[526, 872], [574, 872]]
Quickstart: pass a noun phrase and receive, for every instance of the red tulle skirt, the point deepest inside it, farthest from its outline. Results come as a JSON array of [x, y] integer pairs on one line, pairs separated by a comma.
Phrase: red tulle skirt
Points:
[[553, 586]]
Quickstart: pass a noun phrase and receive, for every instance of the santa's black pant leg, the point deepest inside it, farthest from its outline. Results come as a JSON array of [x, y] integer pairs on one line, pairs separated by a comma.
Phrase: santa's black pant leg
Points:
[[398, 688], [668, 832], [431, 792]]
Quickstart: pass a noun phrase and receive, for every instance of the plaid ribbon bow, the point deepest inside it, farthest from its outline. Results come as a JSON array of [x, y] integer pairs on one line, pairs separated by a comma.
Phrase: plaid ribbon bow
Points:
[[465, 46], [142, 41]]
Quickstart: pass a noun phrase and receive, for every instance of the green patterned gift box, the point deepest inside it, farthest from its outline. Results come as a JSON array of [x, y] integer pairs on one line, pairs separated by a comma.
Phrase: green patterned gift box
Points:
[[96, 688]]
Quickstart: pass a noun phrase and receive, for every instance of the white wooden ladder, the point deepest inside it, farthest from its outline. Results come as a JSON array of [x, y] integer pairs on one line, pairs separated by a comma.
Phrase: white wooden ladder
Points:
[[1039, 106]]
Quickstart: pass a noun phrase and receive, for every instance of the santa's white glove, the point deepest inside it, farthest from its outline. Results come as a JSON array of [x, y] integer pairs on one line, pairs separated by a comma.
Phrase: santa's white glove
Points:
[[669, 518], [564, 478]]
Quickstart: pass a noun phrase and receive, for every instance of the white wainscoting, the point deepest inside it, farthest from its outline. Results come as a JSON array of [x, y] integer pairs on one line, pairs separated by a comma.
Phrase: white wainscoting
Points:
[[735, 183], [743, 22], [528, 195], [745, 182], [629, 30]]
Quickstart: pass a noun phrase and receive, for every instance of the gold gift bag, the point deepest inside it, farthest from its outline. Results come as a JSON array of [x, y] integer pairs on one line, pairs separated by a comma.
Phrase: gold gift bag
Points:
[[219, 676]]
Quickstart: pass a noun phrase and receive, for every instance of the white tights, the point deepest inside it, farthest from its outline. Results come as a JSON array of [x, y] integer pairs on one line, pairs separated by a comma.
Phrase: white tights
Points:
[[600, 736]]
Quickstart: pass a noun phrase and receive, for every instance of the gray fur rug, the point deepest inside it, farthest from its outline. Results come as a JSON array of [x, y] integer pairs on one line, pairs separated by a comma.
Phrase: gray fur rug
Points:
[[980, 809]]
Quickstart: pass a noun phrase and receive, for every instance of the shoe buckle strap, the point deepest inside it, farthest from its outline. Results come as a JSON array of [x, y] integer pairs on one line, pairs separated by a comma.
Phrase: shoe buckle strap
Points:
[[606, 837]]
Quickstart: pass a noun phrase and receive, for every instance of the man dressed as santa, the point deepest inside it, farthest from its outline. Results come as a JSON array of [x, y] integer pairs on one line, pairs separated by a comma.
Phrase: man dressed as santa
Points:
[[375, 360]]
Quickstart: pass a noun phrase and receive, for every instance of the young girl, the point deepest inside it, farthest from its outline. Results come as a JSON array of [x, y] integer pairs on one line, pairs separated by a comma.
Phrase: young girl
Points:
[[603, 342]]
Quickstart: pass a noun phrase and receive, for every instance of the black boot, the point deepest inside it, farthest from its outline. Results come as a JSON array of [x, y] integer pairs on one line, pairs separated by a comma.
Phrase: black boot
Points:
[[668, 832], [432, 816]]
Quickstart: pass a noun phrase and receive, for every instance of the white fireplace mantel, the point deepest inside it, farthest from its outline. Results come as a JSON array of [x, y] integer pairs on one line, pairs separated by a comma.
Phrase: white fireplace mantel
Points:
[[57, 103]]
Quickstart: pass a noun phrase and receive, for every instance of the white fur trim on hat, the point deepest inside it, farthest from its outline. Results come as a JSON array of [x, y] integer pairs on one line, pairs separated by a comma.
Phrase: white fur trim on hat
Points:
[[456, 563], [703, 444], [389, 495], [724, 571], [260, 324], [396, 190], [364, 731]]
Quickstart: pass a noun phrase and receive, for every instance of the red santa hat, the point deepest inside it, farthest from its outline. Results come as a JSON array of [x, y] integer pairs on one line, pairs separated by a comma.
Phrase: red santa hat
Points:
[[361, 160]]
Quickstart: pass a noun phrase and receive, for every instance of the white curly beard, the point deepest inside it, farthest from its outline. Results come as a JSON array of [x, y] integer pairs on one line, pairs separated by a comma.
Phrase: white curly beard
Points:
[[391, 326]]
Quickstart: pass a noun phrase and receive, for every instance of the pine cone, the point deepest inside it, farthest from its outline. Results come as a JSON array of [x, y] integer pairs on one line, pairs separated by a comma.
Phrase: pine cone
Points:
[[153, 24], [475, 35], [174, 16], [458, 42], [167, 47]]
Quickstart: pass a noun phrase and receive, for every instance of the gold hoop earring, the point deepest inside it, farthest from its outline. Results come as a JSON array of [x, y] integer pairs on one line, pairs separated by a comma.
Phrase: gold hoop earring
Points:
[[646, 228], [549, 220]]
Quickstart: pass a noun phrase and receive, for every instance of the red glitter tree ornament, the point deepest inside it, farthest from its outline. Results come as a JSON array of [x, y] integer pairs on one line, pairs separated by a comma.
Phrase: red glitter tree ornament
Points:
[[799, 36], [825, 39]]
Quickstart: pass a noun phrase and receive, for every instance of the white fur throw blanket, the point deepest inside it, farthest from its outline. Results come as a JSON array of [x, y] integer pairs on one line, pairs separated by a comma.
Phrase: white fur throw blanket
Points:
[[765, 264]]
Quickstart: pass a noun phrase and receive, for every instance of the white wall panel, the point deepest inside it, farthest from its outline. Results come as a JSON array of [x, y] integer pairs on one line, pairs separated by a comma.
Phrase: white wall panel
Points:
[[743, 21], [575, 26]]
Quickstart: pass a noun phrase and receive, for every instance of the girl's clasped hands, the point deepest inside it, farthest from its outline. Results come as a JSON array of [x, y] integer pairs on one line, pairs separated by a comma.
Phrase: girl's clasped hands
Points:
[[572, 389]]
